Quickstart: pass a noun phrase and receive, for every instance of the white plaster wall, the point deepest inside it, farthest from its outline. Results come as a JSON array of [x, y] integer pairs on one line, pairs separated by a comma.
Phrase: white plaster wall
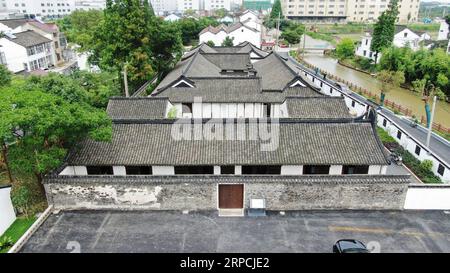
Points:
[[244, 34], [291, 170], [216, 170], [428, 198], [119, 170], [443, 31], [15, 54], [375, 169], [8, 216], [80, 170], [238, 170], [163, 170]]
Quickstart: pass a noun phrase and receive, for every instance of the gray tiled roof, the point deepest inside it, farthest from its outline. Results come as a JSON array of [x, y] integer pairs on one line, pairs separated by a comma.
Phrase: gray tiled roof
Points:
[[28, 38], [137, 108], [300, 143], [231, 90], [14, 23], [205, 179], [237, 61], [317, 108]]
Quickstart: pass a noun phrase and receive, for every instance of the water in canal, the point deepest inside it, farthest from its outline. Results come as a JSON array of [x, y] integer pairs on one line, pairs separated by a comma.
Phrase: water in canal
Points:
[[402, 96]]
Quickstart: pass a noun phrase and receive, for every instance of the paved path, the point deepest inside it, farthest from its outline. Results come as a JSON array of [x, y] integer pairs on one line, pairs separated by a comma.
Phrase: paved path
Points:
[[437, 145], [308, 231]]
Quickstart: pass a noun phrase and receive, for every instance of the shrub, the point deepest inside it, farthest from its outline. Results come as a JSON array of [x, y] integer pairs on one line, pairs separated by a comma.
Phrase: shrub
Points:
[[421, 169], [172, 113], [6, 242], [426, 165]]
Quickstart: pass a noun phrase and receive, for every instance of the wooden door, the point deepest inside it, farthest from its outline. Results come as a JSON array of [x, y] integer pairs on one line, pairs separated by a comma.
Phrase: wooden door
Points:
[[231, 196]]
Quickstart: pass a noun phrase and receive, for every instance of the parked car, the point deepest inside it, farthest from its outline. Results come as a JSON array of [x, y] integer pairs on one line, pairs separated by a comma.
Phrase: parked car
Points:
[[349, 246], [344, 88]]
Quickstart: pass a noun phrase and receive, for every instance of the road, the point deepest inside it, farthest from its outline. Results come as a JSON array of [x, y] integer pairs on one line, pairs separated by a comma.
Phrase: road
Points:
[[438, 145], [306, 231]]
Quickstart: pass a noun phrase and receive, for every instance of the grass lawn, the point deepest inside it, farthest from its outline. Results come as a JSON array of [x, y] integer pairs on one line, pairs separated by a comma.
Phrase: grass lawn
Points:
[[17, 229]]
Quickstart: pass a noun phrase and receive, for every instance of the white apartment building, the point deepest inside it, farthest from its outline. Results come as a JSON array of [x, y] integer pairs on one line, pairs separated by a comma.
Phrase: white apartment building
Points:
[[163, 6], [39, 8], [347, 10], [183, 5], [217, 4], [90, 4]]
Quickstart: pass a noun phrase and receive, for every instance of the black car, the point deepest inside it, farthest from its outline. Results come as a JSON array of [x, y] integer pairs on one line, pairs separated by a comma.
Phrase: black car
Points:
[[349, 246]]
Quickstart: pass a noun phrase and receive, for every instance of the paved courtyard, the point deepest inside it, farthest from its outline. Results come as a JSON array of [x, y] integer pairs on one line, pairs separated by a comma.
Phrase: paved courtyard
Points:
[[309, 231]]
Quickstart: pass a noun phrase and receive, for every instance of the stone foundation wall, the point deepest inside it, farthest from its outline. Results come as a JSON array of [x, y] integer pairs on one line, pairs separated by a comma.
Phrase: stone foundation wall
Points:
[[200, 193]]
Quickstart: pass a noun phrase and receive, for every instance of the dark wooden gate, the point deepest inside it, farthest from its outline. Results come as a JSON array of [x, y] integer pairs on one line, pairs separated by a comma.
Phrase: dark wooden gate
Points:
[[231, 196]]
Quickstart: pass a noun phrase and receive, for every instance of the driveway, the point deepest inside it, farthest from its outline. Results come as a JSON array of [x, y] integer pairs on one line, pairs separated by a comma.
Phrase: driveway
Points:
[[306, 231]]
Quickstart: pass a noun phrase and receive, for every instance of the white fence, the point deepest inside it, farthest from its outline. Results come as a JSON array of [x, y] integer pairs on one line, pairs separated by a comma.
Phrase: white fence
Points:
[[440, 167], [7, 214], [428, 197]]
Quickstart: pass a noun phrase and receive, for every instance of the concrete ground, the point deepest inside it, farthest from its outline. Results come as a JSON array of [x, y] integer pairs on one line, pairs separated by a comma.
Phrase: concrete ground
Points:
[[306, 231]]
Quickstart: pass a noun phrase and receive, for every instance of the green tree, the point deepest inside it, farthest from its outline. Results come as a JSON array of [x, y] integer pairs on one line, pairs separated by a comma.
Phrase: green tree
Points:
[[228, 41], [5, 76], [389, 80], [221, 13], [276, 10], [43, 126], [189, 12], [123, 38], [80, 27], [166, 45], [293, 33], [210, 43], [345, 49], [384, 29]]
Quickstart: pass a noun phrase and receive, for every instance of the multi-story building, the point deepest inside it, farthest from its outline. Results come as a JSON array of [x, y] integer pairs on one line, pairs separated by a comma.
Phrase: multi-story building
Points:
[[39, 8], [217, 4], [257, 4], [183, 5], [90, 4], [230, 127], [26, 51], [347, 10]]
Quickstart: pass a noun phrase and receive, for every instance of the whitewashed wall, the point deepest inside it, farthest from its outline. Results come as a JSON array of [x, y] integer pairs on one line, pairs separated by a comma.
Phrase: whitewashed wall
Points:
[[230, 110], [427, 197], [7, 214]]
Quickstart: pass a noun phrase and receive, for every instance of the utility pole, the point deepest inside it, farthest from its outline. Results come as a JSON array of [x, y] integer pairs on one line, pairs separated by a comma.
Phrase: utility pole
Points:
[[278, 31], [430, 128], [125, 80]]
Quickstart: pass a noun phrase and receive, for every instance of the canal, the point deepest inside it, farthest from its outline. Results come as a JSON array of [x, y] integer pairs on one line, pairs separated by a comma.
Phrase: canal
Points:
[[399, 95]]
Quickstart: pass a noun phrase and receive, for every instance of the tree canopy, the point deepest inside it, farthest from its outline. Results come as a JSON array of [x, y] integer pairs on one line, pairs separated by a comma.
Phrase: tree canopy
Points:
[[276, 10], [80, 27], [345, 49], [5, 75], [41, 125], [384, 29], [228, 41], [293, 33]]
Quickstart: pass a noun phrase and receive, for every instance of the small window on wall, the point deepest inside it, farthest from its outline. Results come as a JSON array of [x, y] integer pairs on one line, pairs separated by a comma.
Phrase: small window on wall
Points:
[[353, 169], [261, 169], [441, 170], [266, 110], [417, 151], [186, 108], [353, 103], [316, 169], [399, 134], [138, 170], [384, 123], [227, 169], [99, 170]]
